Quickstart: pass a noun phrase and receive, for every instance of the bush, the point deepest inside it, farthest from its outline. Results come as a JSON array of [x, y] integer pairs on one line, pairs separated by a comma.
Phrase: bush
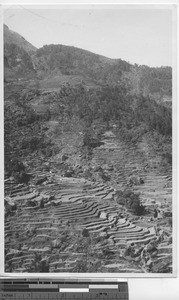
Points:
[[137, 208], [91, 139], [85, 233], [31, 143], [13, 166], [131, 200], [21, 177], [168, 157], [16, 165], [16, 168]]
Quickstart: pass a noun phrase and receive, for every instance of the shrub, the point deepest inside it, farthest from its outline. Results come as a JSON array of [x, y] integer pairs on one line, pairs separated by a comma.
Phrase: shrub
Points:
[[15, 165], [131, 200], [85, 233], [31, 143], [22, 177], [91, 139], [168, 157], [137, 208]]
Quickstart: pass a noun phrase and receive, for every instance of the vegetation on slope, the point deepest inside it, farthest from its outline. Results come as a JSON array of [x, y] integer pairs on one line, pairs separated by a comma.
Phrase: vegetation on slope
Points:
[[50, 62], [40, 125], [12, 37], [24, 132], [94, 110]]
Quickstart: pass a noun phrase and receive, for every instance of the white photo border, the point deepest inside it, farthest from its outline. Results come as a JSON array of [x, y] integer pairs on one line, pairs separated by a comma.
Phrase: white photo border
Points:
[[98, 5]]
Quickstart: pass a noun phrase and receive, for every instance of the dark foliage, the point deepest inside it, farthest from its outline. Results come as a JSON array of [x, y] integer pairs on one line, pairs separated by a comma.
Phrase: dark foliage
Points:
[[85, 233], [71, 60], [131, 200], [156, 116], [156, 80], [18, 63], [96, 110], [15, 167], [24, 132]]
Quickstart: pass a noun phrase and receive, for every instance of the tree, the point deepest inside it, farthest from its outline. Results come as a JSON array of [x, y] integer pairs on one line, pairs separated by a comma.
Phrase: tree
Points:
[[131, 200]]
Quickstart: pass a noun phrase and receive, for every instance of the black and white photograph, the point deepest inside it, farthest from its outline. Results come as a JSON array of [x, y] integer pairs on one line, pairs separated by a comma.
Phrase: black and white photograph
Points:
[[88, 147]]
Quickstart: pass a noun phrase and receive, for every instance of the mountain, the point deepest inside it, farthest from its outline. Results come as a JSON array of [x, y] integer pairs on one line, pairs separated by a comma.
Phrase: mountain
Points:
[[11, 37], [52, 61], [18, 63], [55, 65], [101, 146]]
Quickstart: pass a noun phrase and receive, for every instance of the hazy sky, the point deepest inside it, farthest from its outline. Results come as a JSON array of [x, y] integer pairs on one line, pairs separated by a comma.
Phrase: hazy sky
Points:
[[142, 36]]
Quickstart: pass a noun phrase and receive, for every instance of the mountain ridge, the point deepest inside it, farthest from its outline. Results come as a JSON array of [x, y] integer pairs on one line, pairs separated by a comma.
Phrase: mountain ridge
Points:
[[54, 65], [11, 36]]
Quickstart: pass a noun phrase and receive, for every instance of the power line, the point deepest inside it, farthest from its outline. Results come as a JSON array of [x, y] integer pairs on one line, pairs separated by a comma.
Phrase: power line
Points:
[[45, 18], [5, 10], [37, 15]]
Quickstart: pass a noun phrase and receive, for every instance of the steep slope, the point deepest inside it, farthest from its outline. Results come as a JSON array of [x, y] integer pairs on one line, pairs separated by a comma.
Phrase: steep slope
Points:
[[75, 156], [67, 60], [56, 65], [18, 63], [11, 37], [54, 211], [59, 60]]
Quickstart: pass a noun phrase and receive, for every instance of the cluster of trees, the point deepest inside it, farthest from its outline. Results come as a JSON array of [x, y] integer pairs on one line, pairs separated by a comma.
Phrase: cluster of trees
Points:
[[156, 116], [95, 109], [17, 169], [24, 134], [131, 201], [71, 61], [156, 80], [74, 61], [115, 104], [68, 60]]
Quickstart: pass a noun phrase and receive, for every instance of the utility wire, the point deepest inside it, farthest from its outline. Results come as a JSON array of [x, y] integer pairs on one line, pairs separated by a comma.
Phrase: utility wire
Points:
[[45, 18], [37, 15]]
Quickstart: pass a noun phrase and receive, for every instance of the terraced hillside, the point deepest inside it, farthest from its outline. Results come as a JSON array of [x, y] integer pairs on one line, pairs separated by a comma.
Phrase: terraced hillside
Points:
[[88, 161], [126, 163], [60, 224]]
